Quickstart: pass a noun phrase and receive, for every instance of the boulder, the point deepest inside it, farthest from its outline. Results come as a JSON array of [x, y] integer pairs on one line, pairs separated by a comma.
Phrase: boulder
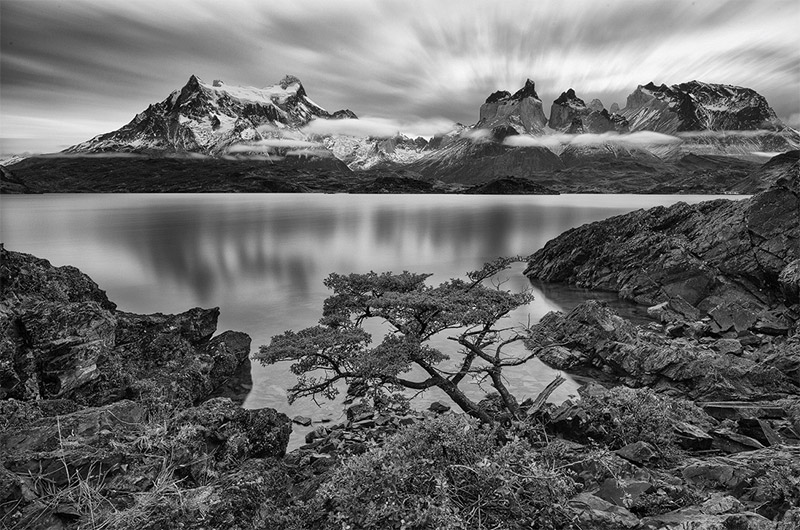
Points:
[[640, 453], [593, 512]]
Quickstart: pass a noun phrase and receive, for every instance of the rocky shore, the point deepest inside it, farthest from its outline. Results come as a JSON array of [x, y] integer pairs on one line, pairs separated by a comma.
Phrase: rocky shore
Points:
[[116, 420]]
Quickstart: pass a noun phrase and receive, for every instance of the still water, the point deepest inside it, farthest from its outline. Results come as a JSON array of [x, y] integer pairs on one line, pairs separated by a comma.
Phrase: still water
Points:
[[262, 258]]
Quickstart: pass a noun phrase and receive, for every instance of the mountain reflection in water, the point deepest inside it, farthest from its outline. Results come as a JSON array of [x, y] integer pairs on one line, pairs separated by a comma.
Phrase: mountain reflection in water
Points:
[[262, 258]]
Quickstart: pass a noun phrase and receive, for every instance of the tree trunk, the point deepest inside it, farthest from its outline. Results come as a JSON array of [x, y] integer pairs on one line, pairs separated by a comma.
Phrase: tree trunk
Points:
[[508, 400], [466, 404]]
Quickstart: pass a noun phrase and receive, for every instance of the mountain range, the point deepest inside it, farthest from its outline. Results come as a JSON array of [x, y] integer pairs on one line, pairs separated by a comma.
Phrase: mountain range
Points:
[[513, 136]]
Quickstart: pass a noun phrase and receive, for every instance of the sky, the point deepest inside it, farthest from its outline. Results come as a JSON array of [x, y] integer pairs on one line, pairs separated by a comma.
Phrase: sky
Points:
[[72, 69]]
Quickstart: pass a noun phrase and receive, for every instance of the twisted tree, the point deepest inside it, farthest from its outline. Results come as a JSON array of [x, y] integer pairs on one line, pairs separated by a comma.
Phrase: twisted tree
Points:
[[467, 311]]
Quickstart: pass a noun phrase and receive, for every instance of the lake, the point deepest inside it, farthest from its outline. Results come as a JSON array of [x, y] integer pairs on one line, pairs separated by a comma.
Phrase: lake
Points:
[[262, 258]]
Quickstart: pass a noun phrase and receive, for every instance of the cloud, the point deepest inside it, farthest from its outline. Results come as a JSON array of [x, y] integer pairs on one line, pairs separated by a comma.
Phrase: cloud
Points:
[[553, 141], [270, 144], [388, 59], [378, 127]]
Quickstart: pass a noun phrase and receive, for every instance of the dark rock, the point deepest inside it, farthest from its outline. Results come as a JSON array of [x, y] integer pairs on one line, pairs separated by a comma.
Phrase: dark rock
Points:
[[302, 420], [62, 338], [258, 433], [695, 519], [731, 442], [593, 512], [691, 437], [733, 410], [728, 347], [640, 453], [358, 412], [759, 430], [438, 407], [509, 186]]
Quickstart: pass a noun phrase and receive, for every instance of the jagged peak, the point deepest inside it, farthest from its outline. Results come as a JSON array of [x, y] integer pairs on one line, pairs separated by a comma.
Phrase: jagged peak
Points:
[[529, 90], [288, 80], [569, 97]]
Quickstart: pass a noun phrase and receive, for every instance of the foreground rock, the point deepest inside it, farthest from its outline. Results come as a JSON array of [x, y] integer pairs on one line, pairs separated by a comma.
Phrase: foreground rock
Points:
[[734, 261], [105, 416], [63, 339], [593, 339]]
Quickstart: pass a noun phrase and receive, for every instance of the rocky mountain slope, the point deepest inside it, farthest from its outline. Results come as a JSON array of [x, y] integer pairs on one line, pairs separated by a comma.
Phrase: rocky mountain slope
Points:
[[696, 106], [570, 114], [209, 118]]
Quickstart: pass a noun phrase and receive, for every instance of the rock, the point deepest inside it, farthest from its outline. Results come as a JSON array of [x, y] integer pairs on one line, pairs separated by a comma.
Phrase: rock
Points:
[[593, 340], [509, 186], [719, 504], [691, 437], [640, 453], [593, 512], [721, 257], [358, 412], [439, 407], [733, 410], [317, 434], [731, 442], [693, 518], [728, 347], [759, 430], [236, 433], [77, 346], [302, 420], [623, 493]]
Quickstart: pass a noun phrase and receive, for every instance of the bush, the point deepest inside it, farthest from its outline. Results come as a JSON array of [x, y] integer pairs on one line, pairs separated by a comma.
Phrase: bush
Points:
[[625, 415], [445, 473]]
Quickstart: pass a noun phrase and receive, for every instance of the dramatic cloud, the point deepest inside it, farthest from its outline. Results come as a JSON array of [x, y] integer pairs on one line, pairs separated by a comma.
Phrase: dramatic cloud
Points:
[[98, 61]]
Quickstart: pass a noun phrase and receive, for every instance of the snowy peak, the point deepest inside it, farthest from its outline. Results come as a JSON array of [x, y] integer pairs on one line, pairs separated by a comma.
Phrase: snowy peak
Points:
[[697, 106], [208, 118], [507, 114]]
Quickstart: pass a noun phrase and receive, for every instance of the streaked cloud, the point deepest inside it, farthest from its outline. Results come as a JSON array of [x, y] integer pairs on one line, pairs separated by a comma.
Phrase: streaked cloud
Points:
[[396, 59]]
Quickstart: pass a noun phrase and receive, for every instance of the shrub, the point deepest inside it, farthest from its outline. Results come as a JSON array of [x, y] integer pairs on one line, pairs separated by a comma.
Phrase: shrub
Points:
[[625, 415], [445, 473]]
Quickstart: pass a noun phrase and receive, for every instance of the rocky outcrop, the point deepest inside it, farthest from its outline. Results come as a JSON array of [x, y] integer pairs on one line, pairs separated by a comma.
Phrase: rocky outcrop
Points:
[[592, 339], [61, 337], [521, 112], [768, 175], [510, 186], [105, 416], [724, 258], [570, 114]]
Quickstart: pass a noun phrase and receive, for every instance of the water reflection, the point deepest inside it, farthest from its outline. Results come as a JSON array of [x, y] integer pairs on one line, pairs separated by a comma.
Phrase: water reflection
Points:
[[262, 258]]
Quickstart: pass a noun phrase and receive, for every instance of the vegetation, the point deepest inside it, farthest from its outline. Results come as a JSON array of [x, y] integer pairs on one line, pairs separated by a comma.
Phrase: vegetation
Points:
[[626, 415], [445, 473], [466, 311]]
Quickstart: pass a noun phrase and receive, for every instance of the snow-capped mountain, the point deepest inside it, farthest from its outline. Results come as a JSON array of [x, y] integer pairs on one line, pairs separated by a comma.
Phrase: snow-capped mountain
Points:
[[696, 106], [570, 114], [209, 118], [506, 114]]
